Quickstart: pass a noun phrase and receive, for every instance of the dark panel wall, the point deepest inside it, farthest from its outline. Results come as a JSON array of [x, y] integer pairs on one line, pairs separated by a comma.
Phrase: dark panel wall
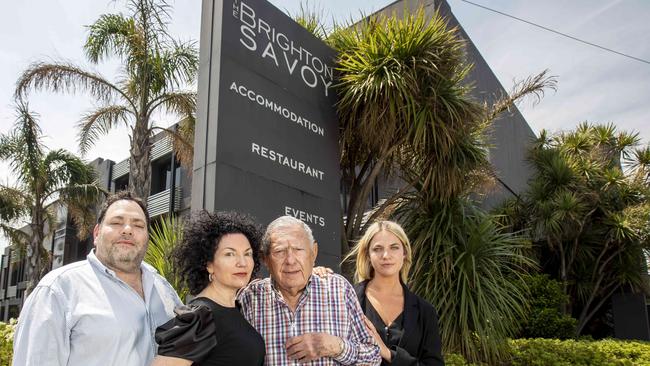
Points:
[[630, 317], [266, 135]]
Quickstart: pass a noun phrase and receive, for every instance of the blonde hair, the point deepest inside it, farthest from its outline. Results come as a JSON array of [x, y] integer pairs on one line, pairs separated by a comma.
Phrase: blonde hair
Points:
[[361, 255]]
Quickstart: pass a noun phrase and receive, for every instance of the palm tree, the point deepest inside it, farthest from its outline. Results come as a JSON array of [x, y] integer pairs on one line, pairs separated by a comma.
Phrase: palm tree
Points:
[[165, 234], [588, 216], [43, 178], [311, 18], [154, 68], [404, 102], [401, 92], [639, 164], [405, 109], [472, 270]]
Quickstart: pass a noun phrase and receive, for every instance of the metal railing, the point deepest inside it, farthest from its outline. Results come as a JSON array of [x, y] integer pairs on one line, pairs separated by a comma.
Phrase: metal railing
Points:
[[158, 203], [159, 149]]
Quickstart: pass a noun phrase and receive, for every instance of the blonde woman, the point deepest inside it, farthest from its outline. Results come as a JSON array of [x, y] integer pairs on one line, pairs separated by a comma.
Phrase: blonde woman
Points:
[[404, 325]]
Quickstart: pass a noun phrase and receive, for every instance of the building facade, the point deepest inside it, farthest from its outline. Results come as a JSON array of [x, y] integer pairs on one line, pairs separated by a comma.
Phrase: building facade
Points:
[[170, 193]]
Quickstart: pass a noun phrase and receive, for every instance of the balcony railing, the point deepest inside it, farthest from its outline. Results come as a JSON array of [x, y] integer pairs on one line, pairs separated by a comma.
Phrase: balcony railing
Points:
[[158, 203], [120, 169], [159, 149]]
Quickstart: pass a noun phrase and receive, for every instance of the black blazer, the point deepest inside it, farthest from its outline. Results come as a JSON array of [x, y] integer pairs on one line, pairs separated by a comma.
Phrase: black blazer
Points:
[[420, 344]]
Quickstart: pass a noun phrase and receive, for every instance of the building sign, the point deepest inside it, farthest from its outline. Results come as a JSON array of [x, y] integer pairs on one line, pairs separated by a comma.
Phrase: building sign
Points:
[[267, 134]]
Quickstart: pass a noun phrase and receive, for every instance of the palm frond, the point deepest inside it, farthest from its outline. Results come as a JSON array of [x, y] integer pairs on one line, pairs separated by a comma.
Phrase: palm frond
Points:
[[311, 19], [112, 34], [99, 122], [65, 168], [533, 86], [17, 238], [387, 67], [472, 271], [165, 234], [182, 141], [63, 77], [184, 146], [181, 103], [13, 203], [179, 64], [22, 147], [639, 164], [81, 200], [152, 17]]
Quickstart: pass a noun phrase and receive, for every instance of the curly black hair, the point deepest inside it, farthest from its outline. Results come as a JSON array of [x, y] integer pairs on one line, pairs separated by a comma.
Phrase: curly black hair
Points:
[[201, 235]]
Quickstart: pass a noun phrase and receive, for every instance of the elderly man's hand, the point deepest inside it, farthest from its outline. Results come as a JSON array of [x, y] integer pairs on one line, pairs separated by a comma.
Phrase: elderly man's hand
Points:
[[312, 346]]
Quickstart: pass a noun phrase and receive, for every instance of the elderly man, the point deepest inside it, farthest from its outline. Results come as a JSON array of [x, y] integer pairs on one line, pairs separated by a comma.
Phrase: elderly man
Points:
[[103, 310], [301, 317]]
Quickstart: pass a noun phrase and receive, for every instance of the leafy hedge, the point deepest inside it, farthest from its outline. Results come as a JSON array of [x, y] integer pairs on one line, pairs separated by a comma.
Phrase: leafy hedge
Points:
[[554, 352], [7, 341], [545, 320], [523, 352]]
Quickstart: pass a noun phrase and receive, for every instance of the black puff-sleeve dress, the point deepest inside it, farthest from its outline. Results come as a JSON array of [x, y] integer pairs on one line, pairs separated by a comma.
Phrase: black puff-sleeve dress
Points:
[[210, 335]]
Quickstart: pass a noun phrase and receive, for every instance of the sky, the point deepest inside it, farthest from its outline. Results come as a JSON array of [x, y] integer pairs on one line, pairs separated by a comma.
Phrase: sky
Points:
[[593, 85]]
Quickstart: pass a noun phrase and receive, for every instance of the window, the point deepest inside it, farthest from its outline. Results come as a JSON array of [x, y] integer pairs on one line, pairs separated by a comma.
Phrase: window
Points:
[[121, 183], [13, 311], [161, 175]]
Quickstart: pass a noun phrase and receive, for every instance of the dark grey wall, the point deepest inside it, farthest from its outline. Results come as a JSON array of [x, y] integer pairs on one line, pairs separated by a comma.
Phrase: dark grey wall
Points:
[[511, 134], [103, 170], [630, 317], [264, 90]]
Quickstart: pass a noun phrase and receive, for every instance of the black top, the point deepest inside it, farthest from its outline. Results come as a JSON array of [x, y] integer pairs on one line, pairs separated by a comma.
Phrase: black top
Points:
[[210, 335], [419, 343], [391, 334]]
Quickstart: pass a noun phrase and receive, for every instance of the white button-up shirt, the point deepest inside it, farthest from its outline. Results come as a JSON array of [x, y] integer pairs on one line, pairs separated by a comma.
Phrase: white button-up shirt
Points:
[[83, 314]]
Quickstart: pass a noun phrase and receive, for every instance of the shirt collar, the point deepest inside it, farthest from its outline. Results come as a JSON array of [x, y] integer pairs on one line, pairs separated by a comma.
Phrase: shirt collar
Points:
[[303, 295]]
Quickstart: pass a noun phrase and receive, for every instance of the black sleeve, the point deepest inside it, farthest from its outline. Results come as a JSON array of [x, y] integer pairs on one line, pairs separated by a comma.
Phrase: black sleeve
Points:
[[430, 353], [190, 335]]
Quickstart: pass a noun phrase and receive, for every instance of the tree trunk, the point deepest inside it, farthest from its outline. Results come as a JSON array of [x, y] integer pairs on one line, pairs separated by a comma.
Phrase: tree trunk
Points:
[[139, 161], [585, 315], [34, 253], [356, 212]]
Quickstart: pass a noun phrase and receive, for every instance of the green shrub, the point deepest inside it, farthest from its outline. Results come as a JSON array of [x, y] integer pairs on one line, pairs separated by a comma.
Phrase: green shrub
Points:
[[545, 319], [555, 352], [7, 341], [625, 352], [454, 359]]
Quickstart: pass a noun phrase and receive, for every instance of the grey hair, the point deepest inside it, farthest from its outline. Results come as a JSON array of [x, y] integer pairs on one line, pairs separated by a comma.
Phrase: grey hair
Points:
[[284, 222]]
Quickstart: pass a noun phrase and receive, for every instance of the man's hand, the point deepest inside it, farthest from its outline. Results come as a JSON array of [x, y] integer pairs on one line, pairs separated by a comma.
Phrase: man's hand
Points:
[[312, 346]]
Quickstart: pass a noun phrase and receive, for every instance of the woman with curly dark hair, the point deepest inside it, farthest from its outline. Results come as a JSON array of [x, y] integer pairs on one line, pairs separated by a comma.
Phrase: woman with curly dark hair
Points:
[[217, 256]]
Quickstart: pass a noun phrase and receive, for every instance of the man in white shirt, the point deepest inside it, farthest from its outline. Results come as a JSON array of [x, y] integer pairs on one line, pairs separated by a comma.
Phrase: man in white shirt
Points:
[[103, 310]]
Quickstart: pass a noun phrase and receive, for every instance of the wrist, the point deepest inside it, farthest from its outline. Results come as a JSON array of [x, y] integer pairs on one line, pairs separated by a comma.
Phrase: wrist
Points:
[[339, 348], [386, 354]]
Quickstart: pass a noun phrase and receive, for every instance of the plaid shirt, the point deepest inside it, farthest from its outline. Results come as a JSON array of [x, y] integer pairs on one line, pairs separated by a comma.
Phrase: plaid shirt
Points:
[[327, 305]]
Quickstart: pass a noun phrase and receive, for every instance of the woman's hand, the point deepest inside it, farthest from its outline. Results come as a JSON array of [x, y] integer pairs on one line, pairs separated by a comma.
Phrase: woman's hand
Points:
[[170, 361], [322, 272], [383, 350]]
